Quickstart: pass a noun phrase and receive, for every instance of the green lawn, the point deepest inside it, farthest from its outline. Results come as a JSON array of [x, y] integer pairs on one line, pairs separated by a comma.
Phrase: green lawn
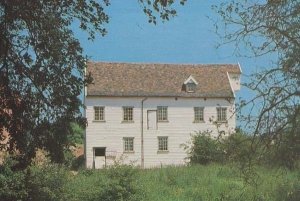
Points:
[[212, 182]]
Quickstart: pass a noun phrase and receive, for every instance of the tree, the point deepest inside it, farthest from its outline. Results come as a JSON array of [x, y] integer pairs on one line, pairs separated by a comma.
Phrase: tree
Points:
[[268, 27], [42, 68]]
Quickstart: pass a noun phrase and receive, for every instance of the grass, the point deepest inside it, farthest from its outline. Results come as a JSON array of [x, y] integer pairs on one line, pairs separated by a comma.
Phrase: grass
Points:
[[212, 182]]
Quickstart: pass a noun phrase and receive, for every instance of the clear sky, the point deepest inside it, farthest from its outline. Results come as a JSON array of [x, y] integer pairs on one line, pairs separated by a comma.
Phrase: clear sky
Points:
[[187, 38]]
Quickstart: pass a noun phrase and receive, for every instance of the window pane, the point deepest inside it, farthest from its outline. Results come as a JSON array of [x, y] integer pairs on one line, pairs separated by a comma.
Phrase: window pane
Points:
[[198, 114], [128, 113], [128, 143], [162, 143], [98, 113], [162, 113], [221, 114]]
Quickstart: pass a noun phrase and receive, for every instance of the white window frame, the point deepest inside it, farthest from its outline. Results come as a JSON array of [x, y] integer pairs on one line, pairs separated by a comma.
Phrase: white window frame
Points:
[[221, 114], [198, 114], [99, 113], [128, 144], [163, 144], [128, 117], [162, 113]]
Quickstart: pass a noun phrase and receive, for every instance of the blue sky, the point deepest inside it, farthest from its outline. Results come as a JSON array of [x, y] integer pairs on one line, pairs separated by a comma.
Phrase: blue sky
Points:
[[187, 38]]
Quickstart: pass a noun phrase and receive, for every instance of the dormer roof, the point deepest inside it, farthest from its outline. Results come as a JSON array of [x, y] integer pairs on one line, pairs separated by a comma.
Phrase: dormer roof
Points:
[[190, 80]]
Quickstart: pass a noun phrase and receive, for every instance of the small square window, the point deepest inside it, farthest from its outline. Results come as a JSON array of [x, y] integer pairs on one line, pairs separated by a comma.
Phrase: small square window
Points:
[[128, 114], [162, 143], [190, 87], [162, 113], [198, 114], [222, 114], [128, 144], [99, 113]]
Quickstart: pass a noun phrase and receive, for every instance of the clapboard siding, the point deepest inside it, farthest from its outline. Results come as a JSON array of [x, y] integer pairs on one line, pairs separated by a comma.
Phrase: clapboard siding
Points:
[[179, 127]]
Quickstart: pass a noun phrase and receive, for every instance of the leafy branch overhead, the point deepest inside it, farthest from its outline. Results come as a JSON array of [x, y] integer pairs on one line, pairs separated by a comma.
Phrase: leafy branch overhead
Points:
[[42, 69], [272, 29], [163, 9]]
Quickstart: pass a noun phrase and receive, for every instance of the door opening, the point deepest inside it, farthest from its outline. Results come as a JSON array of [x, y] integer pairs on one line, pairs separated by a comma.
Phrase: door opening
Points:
[[99, 157], [151, 120]]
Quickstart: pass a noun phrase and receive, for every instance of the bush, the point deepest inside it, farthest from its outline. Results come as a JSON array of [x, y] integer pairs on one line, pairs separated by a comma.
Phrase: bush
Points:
[[46, 183], [34, 183], [238, 147], [12, 186], [205, 149]]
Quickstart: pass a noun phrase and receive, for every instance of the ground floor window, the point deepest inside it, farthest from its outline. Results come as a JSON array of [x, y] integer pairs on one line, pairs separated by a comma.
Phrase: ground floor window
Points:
[[162, 143], [128, 144]]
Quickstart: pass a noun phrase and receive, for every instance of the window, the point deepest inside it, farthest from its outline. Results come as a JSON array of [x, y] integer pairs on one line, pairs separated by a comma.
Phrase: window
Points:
[[190, 84], [190, 87], [98, 113], [128, 144], [198, 114], [162, 113], [221, 114], [99, 151], [127, 113], [162, 143]]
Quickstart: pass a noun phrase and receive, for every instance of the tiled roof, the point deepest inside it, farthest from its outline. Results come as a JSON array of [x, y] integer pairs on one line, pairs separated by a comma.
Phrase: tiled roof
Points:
[[138, 79]]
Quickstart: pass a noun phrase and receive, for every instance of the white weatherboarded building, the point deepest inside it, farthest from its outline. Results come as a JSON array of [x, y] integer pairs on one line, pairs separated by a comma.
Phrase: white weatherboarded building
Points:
[[145, 112]]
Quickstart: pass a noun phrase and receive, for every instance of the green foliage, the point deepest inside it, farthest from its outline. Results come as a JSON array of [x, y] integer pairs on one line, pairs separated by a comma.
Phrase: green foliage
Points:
[[34, 183], [12, 186], [276, 117], [122, 182], [78, 163], [205, 149], [211, 182], [42, 70], [239, 147], [116, 183], [46, 183], [120, 185], [77, 134], [289, 190]]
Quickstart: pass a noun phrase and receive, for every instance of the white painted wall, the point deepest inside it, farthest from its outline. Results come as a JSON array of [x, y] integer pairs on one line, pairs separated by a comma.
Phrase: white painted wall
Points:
[[235, 81], [178, 129]]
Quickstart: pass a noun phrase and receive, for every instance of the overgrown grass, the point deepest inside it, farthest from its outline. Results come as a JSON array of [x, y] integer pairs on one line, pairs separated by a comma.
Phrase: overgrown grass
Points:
[[214, 182], [211, 182]]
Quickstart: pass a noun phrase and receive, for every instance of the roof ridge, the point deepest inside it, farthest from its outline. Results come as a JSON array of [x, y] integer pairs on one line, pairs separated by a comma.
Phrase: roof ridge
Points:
[[175, 64]]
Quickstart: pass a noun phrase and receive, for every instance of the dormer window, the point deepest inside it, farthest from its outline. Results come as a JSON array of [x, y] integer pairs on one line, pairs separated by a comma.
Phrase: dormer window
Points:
[[190, 85]]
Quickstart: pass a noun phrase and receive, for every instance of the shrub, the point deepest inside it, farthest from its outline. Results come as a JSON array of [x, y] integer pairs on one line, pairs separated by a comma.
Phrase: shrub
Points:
[[46, 183], [238, 147], [120, 184], [205, 149], [12, 185], [34, 183]]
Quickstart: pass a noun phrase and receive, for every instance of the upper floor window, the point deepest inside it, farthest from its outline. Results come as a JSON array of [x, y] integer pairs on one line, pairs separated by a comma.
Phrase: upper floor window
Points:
[[198, 114], [128, 114], [162, 113], [162, 143], [222, 114], [190, 87], [190, 84], [128, 144], [99, 113]]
